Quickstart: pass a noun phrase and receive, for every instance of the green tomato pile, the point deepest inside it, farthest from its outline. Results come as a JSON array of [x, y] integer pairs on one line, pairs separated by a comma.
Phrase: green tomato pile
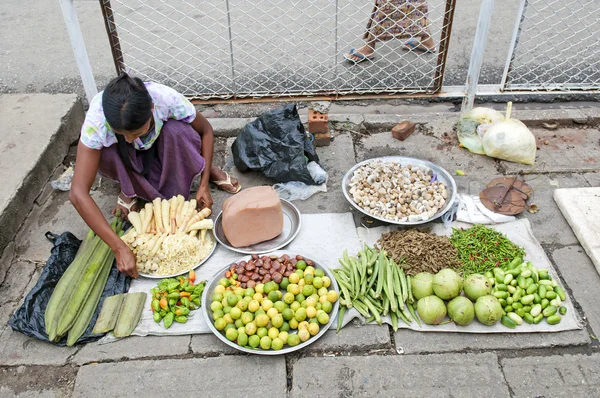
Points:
[[272, 315]]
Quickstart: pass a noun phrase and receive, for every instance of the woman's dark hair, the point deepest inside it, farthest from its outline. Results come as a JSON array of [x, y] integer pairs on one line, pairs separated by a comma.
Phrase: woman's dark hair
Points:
[[127, 104]]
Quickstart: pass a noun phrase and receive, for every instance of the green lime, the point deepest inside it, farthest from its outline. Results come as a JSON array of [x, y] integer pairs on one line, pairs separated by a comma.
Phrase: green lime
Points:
[[243, 304], [235, 313], [217, 297], [260, 312], [254, 341], [224, 282], [273, 333], [249, 292], [279, 306], [300, 273], [262, 320], [247, 317], [231, 334], [288, 314], [251, 328], [308, 278], [220, 324], [239, 324], [293, 323], [270, 287], [285, 327], [215, 305], [300, 315], [277, 344], [232, 300], [320, 273], [300, 298], [274, 295], [277, 321], [242, 339], [284, 337], [322, 291], [262, 332], [227, 293], [295, 305], [317, 282], [301, 264], [307, 290], [226, 309], [287, 298], [230, 326], [218, 315], [284, 283], [319, 306], [265, 343], [293, 340], [326, 306], [323, 318]]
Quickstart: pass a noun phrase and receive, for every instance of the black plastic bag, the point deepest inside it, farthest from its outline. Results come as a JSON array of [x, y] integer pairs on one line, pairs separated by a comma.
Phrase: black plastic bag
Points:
[[29, 318], [276, 144]]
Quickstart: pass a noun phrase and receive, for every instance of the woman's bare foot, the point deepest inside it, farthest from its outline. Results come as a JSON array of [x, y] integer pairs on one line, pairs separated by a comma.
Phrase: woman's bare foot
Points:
[[427, 45], [360, 54], [224, 181], [125, 204]]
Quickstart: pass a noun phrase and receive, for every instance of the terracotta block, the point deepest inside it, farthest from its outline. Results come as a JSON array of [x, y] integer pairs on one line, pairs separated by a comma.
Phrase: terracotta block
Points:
[[402, 130], [318, 122], [322, 139]]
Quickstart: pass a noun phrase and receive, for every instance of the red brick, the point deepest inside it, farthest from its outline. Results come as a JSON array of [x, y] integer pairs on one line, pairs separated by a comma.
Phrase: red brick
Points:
[[318, 122]]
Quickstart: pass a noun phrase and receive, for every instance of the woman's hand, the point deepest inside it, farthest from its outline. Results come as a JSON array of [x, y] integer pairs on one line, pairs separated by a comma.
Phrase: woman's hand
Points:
[[203, 197], [126, 261]]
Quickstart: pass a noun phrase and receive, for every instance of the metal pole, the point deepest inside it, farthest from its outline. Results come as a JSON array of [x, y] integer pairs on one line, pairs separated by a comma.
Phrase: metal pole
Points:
[[513, 43], [78, 45], [481, 35], [444, 45], [233, 85], [113, 36]]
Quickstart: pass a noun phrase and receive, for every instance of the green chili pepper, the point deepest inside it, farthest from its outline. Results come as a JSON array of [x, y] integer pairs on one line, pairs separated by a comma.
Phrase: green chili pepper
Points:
[[168, 320], [157, 317], [155, 305], [181, 319]]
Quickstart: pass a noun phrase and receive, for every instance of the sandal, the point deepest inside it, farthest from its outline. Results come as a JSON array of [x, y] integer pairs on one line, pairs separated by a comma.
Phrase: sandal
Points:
[[361, 57], [129, 205], [228, 182], [416, 46]]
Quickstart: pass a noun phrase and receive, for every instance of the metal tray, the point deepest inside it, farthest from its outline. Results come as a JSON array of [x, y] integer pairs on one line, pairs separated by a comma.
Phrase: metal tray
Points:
[[291, 227], [153, 276], [442, 175], [207, 312]]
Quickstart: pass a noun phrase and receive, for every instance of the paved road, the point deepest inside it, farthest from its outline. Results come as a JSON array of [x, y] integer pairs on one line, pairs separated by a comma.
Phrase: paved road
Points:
[[35, 53]]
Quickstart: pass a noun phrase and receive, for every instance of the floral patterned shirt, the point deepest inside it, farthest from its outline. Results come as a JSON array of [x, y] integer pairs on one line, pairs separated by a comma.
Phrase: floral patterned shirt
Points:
[[168, 104]]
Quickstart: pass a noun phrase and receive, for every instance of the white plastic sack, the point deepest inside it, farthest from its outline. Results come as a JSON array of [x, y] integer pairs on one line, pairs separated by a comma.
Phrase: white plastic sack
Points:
[[510, 140], [473, 124]]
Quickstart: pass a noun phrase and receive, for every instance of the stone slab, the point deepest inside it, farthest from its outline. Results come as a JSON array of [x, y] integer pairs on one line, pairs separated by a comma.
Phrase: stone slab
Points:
[[593, 179], [133, 348], [37, 381], [582, 279], [25, 168], [549, 224], [211, 377], [57, 215], [414, 342], [18, 349], [17, 279], [580, 207], [353, 339], [448, 375], [553, 376], [562, 151], [6, 260], [210, 345]]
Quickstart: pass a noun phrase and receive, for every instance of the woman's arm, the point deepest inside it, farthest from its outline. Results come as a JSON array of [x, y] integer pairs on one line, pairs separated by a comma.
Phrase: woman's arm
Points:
[[203, 127], [86, 166]]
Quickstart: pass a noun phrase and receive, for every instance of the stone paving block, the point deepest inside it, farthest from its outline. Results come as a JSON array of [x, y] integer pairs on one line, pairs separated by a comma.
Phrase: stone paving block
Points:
[[210, 377], [16, 281], [413, 342], [449, 375], [133, 348], [353, 339], [18, 349], [37, 381], [567, 150], [553, 376], [6, 310], [593, 179], [549, 225], [6, 260], [582, 279], [57, 216], [209, 344]]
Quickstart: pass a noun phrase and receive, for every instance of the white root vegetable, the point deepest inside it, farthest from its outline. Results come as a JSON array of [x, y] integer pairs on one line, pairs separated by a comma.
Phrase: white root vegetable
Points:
[[173, 202], [134, 218], [166, 222], [203, 224], [158, 244], [181, 213], [193, 233], [187, 217], [149, 213], [157, 206], [198, 217], [202, 235]]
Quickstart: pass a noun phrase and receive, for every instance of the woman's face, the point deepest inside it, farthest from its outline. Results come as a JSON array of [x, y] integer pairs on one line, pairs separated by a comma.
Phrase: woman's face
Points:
[[131, 136]]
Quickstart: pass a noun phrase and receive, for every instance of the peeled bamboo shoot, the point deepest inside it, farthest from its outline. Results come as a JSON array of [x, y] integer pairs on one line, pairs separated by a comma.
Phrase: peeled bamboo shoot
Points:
[[157, 205]]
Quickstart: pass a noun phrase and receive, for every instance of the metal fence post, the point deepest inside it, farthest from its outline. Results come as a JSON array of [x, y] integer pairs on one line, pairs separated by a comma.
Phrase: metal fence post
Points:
[[481, 35], [78, 45]]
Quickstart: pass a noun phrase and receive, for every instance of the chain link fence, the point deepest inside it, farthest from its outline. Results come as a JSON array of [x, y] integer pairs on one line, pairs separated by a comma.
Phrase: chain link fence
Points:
[[557, 46], [222, 49]]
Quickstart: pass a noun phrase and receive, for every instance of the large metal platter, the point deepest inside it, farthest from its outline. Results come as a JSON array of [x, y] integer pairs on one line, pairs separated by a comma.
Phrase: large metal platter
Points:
[[442, 175], [154, 276], [291, 227], [207, 312]]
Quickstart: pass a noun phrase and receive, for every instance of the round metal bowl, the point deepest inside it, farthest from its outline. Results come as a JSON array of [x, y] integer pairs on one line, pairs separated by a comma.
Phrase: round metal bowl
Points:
[[155, 276], [292, 222], [442, 176], [207, 312]]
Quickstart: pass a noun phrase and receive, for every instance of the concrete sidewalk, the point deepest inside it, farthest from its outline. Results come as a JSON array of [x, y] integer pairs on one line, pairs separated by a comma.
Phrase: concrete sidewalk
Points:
[[360, 360]]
